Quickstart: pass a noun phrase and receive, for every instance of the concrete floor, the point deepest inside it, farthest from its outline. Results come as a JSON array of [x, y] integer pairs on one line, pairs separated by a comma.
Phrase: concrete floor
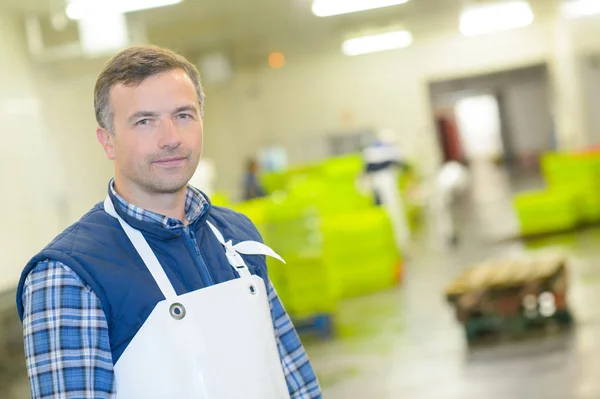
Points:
[[405, 343]]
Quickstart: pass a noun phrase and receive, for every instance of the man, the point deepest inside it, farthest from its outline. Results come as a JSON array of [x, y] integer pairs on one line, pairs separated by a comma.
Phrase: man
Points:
[[155, 293], [451, 181], [382, 162]]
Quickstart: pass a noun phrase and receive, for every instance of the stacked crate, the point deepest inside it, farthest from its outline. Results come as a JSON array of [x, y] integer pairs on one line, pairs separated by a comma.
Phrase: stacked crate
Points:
[[578, 175], [305, 283], [541, 212], [360, 249], [571, 198], [335, 241], [358, 239]]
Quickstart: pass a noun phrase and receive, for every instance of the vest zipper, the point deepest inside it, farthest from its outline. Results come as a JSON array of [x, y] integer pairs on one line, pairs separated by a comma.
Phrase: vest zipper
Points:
[[199, 259]]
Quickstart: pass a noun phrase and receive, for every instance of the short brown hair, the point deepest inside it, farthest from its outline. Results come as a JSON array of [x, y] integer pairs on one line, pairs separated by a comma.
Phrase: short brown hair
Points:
[[131, 67]]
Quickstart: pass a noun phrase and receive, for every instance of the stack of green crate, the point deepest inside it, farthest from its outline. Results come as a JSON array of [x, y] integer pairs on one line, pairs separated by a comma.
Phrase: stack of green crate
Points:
[[541, 212], [335, 241], [577, 174], [220, 198], [360, 249], [358, 237], [274, 182], [305, 283], [339, 178], [291, 227], [255, 210]]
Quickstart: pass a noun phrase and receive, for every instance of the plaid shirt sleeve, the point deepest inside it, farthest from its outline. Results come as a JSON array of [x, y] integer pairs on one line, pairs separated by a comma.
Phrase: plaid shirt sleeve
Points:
[[66, 336], [301, 379]]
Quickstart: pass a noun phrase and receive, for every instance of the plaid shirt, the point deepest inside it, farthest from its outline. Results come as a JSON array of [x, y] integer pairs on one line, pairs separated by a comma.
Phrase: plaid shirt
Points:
[[66, 333]]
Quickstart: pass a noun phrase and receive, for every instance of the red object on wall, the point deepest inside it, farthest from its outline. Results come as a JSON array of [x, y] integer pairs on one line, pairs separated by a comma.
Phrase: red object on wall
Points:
[[448, 136]]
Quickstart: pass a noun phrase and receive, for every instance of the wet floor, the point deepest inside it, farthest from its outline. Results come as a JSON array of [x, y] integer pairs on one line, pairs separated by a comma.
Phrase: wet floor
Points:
[[405, 342]]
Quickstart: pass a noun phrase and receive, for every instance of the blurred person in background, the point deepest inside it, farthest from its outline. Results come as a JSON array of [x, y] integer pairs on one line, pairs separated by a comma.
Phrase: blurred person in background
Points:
[[155, 293], [252, 185], [450, 182], [383, 163]]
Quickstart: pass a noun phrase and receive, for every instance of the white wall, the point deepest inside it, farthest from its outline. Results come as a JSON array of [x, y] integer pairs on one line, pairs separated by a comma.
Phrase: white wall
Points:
[[31, 170], [305, 99], [591, 71], [386, 90], [308, 97], [530, 124], [68, 113]]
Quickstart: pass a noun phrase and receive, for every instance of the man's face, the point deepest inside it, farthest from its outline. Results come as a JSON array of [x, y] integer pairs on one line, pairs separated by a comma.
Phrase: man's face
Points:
[[157, 138]]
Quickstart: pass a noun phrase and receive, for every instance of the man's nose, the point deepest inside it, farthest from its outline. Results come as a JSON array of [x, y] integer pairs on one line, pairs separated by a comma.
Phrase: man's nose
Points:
[[169, 134]]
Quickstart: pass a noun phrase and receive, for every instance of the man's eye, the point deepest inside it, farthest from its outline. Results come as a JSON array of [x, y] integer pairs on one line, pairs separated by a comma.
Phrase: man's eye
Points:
[[184, 116], [143, 122]]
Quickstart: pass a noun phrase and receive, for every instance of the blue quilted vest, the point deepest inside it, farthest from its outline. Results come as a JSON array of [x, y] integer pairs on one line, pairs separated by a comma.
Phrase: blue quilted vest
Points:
[[98, 250]]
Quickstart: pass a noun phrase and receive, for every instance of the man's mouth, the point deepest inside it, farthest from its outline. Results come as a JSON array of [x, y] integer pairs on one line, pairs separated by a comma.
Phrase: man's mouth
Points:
[[170, 162]]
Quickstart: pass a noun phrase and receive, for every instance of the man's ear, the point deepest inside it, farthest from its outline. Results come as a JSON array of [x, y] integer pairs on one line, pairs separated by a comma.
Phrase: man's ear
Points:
[[107, 141]]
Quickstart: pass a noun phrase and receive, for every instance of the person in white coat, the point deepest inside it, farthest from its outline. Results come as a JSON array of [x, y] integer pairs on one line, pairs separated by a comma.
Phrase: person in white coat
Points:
[[451, 180], [383, 163]]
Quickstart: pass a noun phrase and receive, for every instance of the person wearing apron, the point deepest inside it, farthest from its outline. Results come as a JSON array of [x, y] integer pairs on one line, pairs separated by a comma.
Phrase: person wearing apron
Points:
[[155, 293], [382, 167]]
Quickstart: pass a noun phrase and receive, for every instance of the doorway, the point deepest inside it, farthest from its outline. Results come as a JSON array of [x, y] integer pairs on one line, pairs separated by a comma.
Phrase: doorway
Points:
[[503, 116]]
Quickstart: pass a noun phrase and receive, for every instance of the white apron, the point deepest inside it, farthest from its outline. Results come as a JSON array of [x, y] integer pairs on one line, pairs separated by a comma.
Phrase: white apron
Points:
[[385, 183], [214, 343]]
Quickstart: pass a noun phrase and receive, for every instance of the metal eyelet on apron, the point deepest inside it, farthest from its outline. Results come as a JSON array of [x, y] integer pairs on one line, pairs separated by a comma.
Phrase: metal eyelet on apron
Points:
[[252, 289], [177, 311]]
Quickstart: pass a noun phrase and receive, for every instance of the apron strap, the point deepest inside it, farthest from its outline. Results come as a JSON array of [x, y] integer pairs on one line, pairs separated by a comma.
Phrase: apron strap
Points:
[[233, 252], [145, 252]]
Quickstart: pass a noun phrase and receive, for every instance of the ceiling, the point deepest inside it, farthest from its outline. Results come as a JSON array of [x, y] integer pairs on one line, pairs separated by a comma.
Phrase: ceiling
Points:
[[248, 30]]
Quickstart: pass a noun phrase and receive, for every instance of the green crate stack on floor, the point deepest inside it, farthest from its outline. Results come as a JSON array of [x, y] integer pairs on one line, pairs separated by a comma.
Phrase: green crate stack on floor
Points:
[[360, 248], [279, 181], [220, 198], [542, 212], [579, 175], [335, 241], [358, 238], [338, 179], [255, 210], [273, 181], [305, 283], [292, 229]]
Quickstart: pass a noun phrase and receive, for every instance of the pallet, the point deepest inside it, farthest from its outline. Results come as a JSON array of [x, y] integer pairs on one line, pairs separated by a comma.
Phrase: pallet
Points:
[[511, 299], [487, 330]]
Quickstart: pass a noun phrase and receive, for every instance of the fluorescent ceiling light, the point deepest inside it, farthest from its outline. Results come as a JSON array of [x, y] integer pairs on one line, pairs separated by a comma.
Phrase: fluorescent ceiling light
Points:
[[80, 9], [580, 8], [375, 43], [495, 17], [103, 34], [327, 8]]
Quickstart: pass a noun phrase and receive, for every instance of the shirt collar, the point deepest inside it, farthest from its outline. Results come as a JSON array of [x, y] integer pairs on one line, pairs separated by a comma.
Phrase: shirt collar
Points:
[[195, 206]]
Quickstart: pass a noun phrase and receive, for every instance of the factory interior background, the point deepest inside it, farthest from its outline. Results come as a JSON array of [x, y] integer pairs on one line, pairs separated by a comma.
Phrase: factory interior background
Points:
[[492, 107]]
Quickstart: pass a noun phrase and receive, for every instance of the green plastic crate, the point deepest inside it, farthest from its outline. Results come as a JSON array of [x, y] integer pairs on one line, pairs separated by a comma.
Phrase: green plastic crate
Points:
[[544, 212]]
